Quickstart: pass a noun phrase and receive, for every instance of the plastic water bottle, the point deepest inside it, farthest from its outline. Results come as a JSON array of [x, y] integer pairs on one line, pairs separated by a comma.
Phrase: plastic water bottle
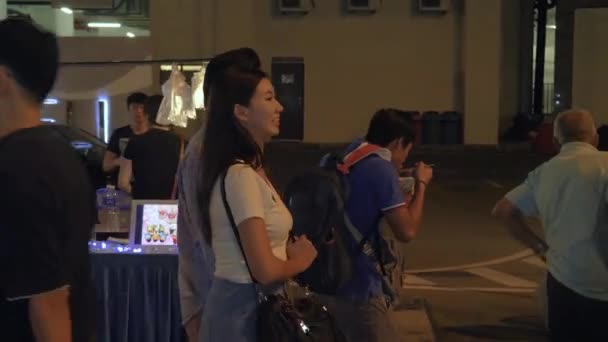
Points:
[[110, 205]]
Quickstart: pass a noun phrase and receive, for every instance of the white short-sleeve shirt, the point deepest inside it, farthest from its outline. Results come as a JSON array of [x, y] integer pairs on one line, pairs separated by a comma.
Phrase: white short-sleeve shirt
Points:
[[249, 195], [570, 195]]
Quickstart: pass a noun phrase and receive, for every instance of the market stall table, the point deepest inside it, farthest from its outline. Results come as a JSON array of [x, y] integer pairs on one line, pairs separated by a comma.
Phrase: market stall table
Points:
[[137, 294]]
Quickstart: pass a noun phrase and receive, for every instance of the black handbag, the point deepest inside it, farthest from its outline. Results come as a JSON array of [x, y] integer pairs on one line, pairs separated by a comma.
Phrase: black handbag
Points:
[[284, 319]]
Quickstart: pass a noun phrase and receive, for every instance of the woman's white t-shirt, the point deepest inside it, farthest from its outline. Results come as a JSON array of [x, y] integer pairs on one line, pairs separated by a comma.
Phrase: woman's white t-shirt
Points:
[[249, 195]]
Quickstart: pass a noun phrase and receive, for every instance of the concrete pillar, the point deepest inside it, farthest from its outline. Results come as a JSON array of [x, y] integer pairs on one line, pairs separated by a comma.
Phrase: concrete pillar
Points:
[[64, 23], [510, 63], [526, 32], [482, 64]]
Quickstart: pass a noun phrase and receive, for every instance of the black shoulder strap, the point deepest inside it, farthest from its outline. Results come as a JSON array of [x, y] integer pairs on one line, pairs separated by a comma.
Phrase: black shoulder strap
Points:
[[232, 222], [368, 244], [365, 244]]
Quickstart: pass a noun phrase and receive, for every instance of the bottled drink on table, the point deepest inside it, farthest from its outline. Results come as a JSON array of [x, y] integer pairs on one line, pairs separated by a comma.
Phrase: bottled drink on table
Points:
[[110, 206]]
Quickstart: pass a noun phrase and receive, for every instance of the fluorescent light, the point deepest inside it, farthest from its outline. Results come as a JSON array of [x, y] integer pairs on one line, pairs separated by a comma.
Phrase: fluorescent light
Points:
[[104, 25], [66, 10], [50, 101], [169, 67], [552, 27], [106, 118], [49, 120], [130, 35]]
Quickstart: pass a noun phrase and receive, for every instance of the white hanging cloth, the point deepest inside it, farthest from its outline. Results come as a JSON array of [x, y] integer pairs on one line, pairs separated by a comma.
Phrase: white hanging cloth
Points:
[[198, 97], [177, 106]]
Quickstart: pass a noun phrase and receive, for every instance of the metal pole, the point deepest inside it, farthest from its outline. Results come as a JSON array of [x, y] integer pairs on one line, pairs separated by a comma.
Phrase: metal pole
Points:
[[539, 72], [143, 61]]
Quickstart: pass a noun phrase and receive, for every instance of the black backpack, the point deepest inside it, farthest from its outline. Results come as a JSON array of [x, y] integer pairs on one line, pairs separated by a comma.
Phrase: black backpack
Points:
[[316, 201]]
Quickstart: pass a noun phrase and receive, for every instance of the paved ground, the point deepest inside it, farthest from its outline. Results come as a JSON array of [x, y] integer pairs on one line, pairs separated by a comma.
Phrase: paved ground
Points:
[[496, 300]]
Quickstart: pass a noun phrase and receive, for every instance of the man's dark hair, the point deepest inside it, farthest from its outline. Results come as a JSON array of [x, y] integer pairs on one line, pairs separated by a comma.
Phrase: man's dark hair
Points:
[[31, 55], [138, 98], [151, 107], [245, 58], [390, 124]]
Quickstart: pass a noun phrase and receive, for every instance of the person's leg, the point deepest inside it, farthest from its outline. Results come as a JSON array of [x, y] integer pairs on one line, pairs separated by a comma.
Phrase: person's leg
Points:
[[592, 315], [541, 293], [343, 314], [377, 322], [362, 322], [229, 313], [563, 311]]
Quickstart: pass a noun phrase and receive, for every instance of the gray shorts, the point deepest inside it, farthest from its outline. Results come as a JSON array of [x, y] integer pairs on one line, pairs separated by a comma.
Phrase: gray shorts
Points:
[[363, 322]]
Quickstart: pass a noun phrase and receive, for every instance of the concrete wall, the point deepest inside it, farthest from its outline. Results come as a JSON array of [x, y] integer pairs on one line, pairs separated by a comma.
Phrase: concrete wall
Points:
[[355, 64], [511, 69], [482, 28], [590, 70], [358, 64]]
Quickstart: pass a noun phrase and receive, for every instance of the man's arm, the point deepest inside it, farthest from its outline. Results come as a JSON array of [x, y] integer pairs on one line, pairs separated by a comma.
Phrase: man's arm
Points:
[[514, 220], [601, 235], [405, 220], [601, 246], [36, 267], [125, 175], [111, 161], [192, 327], [111, 158], [50, 316]]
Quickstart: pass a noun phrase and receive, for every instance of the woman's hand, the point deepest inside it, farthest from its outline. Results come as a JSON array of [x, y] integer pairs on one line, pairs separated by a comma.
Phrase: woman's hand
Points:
[[302, 252]]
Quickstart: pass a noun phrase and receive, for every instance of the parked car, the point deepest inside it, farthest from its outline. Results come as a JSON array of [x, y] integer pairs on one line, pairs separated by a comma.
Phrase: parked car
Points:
[[89, 147]]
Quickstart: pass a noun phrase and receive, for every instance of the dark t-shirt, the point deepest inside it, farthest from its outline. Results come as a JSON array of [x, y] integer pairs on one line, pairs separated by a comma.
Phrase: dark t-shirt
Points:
[[48, 213], [118, 142], [154, 155]]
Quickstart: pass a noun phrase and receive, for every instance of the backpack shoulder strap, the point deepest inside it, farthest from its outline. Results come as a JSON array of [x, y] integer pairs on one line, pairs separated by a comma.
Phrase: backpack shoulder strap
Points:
[[357, 155]]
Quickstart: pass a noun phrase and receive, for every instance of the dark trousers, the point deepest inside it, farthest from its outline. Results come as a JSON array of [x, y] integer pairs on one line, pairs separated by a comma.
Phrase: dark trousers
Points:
[[573, 317]]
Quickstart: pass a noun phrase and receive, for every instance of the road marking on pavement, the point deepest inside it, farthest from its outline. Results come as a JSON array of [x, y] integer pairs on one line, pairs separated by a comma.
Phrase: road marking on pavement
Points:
[[512, 283], [502, 278], [493, 184], [517, 256], [535, 261], [413, 280], [471, 289]]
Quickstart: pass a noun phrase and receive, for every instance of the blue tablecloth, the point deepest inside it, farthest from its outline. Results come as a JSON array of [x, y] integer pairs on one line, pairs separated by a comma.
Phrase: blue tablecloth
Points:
[[137, 297]]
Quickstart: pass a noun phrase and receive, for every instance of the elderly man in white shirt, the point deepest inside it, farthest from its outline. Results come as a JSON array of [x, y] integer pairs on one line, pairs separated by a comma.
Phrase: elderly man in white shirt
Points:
[[570, 195]]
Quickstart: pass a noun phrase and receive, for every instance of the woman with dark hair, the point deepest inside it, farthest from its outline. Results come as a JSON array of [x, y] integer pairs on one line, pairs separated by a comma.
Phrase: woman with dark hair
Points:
[[196, 259], [244, 115]]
